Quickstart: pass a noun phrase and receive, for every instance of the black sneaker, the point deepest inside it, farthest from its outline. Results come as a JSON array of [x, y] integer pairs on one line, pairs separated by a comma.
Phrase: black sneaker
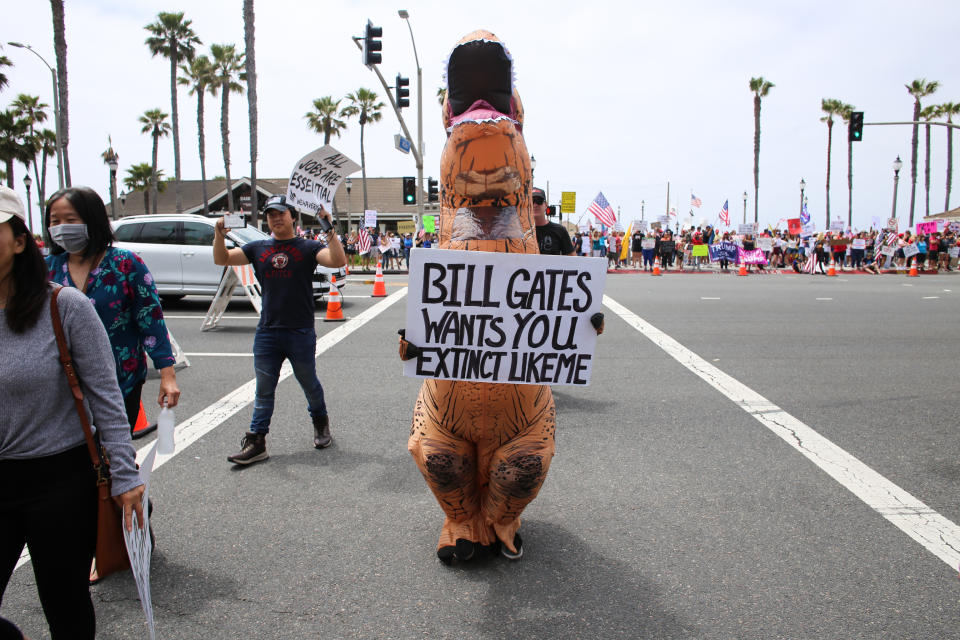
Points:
[[321, 432], [518, 544], [253, 448]]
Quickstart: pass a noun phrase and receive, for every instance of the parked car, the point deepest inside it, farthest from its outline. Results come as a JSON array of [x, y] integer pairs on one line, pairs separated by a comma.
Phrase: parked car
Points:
[[178, 250]]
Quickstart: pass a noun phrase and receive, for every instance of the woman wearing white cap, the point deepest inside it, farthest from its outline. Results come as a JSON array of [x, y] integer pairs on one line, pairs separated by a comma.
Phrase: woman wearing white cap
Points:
[[42, 445]]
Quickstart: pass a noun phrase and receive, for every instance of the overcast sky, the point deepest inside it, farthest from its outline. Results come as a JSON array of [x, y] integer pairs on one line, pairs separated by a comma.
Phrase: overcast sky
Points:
[[619, 97]]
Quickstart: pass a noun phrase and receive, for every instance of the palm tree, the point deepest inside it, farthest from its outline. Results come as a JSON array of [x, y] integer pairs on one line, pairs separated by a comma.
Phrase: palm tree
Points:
[[155, 123], [13, 143], [441, 95], [251, 72], [325, 118], [919, 88], [4, 62], [60, 47], [364, 102], [173, 38], [46, 142], [227, 65], [199, 76], [831, 108], [949, 109], [32, 112], [928, 113], [140, 177], [760, 88], [846, 111]]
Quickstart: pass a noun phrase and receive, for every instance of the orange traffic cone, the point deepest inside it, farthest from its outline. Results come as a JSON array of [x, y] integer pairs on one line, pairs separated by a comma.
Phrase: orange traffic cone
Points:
[[334, 308], [913, 270], [743, 269], [656, 270], [832, 269], [379, 286], [142, 428]]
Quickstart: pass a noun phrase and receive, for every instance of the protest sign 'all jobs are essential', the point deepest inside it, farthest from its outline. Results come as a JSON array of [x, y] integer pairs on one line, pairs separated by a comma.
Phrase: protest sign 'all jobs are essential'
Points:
[[316, 177], [504, 318]]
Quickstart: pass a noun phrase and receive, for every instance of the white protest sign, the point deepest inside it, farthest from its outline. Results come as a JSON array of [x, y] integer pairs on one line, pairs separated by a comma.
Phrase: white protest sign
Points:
[[370, 218], [316, 177], [837, 225], [584, 228], [888, 251], [648, 243], [953, 252], [503, 317], [765, 244], [748, 228], [640, 225], [139, 546], [910, 250], [664, 220], [808, 229], [859, 243]]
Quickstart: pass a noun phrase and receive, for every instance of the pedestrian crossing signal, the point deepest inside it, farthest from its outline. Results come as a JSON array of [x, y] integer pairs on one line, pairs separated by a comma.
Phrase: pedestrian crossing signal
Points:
[[409, 191], [855, 133], [432, 193]]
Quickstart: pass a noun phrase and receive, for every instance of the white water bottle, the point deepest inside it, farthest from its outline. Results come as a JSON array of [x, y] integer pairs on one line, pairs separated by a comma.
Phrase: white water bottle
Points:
[[165, 430]]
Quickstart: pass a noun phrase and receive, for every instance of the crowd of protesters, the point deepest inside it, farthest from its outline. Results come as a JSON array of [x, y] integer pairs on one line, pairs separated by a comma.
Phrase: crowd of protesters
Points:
[[665, 248]]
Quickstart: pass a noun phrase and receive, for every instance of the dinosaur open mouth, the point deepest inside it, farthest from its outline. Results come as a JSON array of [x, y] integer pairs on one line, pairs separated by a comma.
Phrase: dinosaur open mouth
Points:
[[486, 223]]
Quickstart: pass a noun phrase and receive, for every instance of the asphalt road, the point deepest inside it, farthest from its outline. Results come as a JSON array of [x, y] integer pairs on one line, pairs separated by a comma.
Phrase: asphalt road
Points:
[[669, 511]]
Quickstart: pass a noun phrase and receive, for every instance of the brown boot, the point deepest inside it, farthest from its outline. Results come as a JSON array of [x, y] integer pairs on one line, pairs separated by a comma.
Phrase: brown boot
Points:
[[321, 432]]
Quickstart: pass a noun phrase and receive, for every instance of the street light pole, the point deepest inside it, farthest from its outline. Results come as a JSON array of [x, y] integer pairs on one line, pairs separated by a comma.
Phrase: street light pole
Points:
[[744, 207], [406, 18], [27, 182], [349, 184], [897, 165], [56, 108], [113, 161]]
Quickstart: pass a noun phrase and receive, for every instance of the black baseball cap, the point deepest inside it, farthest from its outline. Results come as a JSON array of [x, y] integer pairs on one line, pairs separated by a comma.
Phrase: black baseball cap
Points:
[[278, 203], [538, 192]]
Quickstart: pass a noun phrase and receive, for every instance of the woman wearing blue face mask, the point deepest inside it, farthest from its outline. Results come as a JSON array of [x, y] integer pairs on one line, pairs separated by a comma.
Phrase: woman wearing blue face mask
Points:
[[120, 286]]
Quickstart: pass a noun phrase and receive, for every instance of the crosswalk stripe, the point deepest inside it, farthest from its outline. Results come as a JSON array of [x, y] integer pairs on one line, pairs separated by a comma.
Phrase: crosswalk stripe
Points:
[[935, 533]]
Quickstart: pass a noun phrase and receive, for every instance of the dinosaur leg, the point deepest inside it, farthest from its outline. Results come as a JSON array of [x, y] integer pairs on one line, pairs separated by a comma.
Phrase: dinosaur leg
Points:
[[449, 465], [517, 470]]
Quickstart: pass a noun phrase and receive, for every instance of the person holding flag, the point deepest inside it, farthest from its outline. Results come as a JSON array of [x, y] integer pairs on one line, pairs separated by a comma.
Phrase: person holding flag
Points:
[[725, 213]]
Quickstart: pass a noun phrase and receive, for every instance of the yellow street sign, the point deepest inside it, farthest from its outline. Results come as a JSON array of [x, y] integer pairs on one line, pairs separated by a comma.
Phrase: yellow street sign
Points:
[[568, 202]]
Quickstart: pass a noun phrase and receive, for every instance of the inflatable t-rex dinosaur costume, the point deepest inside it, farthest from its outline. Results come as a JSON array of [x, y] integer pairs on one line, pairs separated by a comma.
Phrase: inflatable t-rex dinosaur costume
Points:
[[484, 449]]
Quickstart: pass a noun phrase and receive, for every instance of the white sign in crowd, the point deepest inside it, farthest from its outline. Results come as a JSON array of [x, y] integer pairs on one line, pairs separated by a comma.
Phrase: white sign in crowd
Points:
[[503, 317], [316, 177]]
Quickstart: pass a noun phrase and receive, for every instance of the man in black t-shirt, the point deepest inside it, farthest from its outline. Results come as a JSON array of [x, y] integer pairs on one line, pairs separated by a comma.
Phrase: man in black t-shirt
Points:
[[284, 266], [552, 238]]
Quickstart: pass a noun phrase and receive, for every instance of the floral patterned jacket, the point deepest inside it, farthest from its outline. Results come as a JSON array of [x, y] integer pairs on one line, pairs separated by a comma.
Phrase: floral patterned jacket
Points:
[[121, 288]]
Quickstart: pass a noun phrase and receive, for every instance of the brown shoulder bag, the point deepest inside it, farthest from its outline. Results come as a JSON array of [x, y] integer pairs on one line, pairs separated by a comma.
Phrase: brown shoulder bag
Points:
[[111, 552]]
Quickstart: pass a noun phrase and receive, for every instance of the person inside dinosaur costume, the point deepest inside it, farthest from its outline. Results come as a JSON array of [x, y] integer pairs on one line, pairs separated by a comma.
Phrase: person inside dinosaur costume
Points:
[[483, 448]]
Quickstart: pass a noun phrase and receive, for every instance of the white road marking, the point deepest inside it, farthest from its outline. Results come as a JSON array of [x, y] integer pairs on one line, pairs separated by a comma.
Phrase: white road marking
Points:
[[935, 533], [702, 298], [198, 425], [931, 297], [824, 298]]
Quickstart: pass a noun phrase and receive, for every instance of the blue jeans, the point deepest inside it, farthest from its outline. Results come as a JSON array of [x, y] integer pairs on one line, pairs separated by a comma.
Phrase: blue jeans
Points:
[[270, 348]]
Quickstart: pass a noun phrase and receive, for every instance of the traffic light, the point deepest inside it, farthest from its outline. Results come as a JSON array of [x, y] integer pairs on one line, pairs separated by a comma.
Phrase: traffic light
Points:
[[551, 211], [403, 94], [432, 194], [409, 191], [855, 132], [371, 45]]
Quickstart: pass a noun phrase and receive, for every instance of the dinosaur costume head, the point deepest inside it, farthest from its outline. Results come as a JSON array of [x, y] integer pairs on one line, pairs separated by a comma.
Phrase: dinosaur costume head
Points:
[[485, 168]]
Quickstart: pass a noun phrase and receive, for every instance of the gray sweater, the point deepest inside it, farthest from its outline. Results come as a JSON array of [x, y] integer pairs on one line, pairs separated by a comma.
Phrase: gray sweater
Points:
[[38, 416]]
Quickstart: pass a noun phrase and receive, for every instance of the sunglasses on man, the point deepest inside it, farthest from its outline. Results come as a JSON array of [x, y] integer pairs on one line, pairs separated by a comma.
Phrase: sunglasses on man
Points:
[[538, 200]]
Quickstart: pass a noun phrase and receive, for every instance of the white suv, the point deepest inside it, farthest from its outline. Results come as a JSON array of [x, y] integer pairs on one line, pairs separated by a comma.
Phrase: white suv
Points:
[[178, 250]]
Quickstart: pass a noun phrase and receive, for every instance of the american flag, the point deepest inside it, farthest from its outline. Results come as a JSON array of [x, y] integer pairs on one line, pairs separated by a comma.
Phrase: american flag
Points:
[[363, 241], [804, 215], [725, 213], [602, 211], [695, 201]]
